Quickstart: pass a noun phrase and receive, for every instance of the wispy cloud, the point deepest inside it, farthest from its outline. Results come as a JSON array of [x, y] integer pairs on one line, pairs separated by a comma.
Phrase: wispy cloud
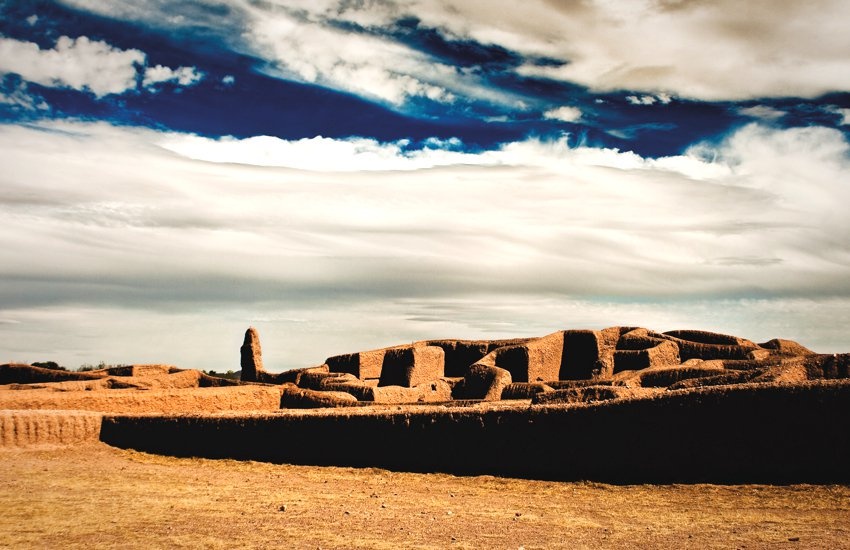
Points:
[[15, 95], [783, 49], [843, 113], [763, 112]]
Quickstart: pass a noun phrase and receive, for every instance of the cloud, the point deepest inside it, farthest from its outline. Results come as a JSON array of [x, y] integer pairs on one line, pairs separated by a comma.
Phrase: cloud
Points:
[[15, 96], [299, 43], [764, 112], [535, 233], [784, 50], [80, 63], [662, 98], [183, 76], [844, 113], [710, 51], [87, 65], [336, 46], [604, 46], [348, 155], [326, 44], [565, 113], [546, 217]]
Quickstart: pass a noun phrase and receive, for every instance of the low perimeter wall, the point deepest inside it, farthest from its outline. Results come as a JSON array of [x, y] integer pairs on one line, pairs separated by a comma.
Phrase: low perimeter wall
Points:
[[747, 434], [53, 428]]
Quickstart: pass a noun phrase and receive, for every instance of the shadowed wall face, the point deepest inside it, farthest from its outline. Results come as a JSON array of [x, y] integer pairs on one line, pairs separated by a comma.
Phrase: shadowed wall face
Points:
[[460, 355], [365, 365], [581, 352], [412, 366], [734, 434]]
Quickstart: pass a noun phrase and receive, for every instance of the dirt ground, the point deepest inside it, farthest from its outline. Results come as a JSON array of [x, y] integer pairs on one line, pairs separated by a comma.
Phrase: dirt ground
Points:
[[95, 496]]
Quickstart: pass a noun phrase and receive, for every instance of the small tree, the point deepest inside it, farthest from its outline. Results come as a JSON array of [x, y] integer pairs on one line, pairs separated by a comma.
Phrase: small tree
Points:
[[52, 365]]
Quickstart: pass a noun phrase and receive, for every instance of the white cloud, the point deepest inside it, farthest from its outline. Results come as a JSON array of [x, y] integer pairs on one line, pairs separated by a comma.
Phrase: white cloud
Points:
[[662, 98], [306, 41], [711, 50], [125, 219], [228, 80], [844, 113], [80, 63], [565, 113], [318, 154], [87, 65], [19, 98], [764, 112], [367, 65], [184, 76]]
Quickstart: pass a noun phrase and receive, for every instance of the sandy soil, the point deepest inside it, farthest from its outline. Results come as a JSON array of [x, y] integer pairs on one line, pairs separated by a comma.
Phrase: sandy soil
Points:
[[93, 495]]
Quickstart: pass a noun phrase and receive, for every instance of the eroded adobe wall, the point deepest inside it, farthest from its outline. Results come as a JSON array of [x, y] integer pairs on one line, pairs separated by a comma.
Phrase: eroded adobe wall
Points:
[[737, 434], [19, 428]]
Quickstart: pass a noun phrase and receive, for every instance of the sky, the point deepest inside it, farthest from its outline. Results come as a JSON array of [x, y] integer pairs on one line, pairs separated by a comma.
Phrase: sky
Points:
[[345, 175]]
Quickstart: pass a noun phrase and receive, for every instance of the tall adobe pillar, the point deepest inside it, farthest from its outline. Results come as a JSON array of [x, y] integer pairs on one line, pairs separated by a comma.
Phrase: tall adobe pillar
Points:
[[252, 356]]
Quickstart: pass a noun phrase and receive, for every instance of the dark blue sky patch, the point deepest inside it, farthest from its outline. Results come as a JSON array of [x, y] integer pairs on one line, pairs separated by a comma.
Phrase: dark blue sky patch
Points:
[[660, 129], [460, 53]]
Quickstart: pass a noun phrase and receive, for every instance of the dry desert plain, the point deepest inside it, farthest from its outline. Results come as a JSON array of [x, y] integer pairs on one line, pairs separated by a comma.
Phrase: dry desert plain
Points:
[[74, 475]]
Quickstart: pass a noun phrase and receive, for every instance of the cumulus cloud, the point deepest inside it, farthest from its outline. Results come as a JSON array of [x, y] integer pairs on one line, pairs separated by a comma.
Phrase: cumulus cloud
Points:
[[661, 98], [80, 63], [565, 113], [183, 76], [86, 65]]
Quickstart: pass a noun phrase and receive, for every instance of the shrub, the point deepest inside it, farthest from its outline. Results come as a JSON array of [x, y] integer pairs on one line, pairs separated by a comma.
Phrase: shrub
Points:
[[52, 365]]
